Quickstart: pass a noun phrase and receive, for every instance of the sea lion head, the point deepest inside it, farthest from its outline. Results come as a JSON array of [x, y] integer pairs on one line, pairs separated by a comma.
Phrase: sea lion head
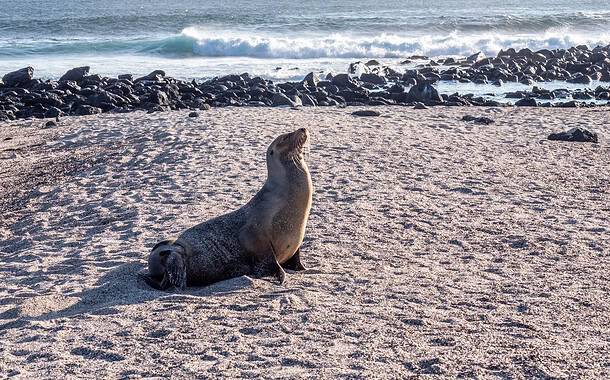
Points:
[[287, 150]]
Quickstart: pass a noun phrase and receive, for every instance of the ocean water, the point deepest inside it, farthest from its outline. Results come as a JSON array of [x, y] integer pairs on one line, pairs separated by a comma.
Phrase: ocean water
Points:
[[281, 40]]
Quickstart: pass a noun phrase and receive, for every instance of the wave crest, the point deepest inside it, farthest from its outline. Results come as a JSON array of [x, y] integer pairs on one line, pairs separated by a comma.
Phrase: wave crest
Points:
[[208, 44], [205, 43]]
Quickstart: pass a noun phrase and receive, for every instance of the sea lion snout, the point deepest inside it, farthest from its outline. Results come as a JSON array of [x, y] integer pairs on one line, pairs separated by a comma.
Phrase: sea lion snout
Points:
[[303, 133], [289, 146], [299, 138]]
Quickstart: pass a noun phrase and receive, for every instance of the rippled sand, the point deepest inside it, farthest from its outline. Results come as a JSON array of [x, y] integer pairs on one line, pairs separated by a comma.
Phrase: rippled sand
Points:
[[435, 246]]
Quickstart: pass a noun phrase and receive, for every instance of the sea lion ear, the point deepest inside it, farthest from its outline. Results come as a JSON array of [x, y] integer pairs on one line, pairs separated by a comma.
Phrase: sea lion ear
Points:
[[175, 272]]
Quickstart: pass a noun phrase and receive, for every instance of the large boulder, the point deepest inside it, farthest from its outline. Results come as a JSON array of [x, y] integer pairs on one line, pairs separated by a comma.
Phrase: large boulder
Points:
[[51, 99], [158, 97], [233, 78], [425, 93], [83, 110], [475, 57], [308, 100], [372, 78], [527, 102], [280, 99], [19, 77], [575, 135], [6, 115], [342, 80], [105, 100], [156, 75], [311, 79], [76, 74], [580, 79]]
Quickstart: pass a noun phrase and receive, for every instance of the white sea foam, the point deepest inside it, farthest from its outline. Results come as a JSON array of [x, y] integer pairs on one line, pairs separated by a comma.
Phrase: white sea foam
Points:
[[215, 44], [197, 42]]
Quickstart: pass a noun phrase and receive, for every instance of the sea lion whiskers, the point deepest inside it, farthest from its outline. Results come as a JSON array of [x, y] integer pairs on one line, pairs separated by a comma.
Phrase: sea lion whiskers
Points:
[[297, 164], [297, 147], [307, 149], [297, 151]]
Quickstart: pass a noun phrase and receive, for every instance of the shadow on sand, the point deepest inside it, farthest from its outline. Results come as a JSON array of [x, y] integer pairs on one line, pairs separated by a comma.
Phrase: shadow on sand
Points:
[[121, 286]]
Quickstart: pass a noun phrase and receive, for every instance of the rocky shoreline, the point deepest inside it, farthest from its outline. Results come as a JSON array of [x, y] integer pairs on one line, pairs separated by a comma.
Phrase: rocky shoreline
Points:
[[78, 92]]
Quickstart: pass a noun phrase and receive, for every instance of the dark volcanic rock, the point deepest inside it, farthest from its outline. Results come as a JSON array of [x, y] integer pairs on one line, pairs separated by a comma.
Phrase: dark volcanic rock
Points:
[[397, 89], [311, 79], [77, 92], [76, 74], [19, 77], [424, 93], [576, 135], [366, 113], [156, 75], [580, 78], [159, 98], [280, 99], [475, 57], [194, 114], [6, 115], [91, 80], [527, 102], [87, 110], [342, 80], [308, 100], [478, 120], [53, 112], [372, 78], [420, 106]]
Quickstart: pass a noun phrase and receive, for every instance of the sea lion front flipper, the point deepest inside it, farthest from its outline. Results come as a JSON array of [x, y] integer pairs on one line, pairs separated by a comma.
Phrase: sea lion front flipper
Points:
[[263, 254], [267, 265], [294, 263]]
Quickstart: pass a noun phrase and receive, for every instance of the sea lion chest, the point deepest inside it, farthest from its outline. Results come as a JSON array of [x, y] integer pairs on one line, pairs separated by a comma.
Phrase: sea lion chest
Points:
[[289, 222]]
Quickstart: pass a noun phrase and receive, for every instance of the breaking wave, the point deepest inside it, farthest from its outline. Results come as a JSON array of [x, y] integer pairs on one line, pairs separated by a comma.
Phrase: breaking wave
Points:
[[192, 42]]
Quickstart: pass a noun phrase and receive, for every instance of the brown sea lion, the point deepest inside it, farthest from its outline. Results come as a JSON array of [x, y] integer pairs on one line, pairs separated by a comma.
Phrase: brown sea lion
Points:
[[260, 238]]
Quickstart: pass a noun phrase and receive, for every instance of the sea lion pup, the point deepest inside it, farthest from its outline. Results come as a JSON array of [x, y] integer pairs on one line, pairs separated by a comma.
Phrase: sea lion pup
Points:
[[260, 238]]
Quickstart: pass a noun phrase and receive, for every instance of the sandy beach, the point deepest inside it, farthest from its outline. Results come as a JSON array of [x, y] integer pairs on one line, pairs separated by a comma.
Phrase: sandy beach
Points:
[[436, 248]]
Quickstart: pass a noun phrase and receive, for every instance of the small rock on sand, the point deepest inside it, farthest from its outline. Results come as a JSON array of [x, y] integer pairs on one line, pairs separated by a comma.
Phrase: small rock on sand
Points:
[[575, 135], [366, 113], [420, 106], [478, 120], [194, 114]]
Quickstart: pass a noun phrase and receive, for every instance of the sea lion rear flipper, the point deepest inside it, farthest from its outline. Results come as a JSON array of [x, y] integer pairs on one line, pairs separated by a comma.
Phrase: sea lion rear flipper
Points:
[[175, 272], [294, 263], [153, 283]]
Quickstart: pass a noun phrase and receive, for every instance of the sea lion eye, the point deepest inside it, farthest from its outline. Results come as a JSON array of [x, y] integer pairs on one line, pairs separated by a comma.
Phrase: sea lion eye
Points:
[[271, 153]]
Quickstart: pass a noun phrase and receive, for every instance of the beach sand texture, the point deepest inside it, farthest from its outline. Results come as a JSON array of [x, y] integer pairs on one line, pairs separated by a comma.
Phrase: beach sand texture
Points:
[[435, 247]]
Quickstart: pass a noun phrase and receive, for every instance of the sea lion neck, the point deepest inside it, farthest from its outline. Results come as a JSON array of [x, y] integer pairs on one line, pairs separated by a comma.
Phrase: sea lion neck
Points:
[[291, 175]]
